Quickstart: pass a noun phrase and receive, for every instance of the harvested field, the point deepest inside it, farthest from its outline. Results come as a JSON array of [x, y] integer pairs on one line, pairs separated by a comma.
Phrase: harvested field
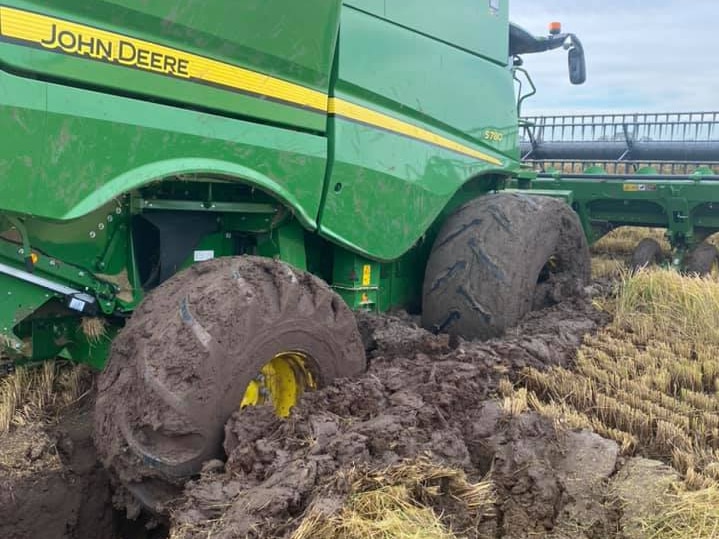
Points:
[[594, 418], [620, 242]]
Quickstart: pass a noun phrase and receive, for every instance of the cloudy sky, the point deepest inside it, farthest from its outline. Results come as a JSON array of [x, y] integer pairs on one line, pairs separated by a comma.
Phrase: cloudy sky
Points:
[[642, 55]]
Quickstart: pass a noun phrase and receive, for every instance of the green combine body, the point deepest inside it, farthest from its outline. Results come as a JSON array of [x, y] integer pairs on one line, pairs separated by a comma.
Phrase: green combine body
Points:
[[141, 137]]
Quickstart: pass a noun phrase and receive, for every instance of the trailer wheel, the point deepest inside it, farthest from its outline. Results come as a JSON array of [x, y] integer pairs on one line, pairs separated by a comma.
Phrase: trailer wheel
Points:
[[224, 334], [498, 257], [702, 260], [647, 253]]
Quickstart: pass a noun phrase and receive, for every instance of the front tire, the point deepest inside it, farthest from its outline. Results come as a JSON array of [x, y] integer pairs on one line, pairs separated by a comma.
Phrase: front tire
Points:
[[189, 354], [498, 257]]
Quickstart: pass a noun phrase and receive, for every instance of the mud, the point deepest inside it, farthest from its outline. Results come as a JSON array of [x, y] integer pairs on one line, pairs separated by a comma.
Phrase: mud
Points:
[[183, 361], [51, 484], [423, 394]]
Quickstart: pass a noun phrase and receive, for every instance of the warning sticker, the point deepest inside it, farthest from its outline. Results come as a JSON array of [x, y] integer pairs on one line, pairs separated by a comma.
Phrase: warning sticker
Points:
[[366, 275], [638, 187], [201, 256]]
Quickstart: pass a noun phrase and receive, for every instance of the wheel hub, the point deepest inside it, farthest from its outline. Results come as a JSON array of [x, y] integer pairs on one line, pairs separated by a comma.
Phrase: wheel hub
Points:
[[280, 382]]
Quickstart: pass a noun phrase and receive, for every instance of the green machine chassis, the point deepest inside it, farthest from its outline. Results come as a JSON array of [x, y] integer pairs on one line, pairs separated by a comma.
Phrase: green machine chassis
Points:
[[140, 139], [143, 138]]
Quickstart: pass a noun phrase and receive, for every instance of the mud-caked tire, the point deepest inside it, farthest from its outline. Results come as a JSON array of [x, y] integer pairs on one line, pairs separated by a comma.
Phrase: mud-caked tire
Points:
[[701, 260], [498, 257], [647, 253], [183, 362]]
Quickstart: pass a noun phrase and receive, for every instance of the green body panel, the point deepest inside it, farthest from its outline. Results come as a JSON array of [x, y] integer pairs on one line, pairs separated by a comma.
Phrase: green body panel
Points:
[[467, 24], [356, 279], [139, 142], [232, 32], [336, 137], [395, 186], [18, 300]]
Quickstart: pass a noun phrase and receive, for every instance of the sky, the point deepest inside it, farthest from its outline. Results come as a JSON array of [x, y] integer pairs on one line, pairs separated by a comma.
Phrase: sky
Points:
[[642, 55]]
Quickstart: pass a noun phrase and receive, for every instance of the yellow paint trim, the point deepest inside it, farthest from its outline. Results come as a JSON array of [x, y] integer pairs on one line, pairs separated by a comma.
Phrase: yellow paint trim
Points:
[[42, 31], [351, 111]]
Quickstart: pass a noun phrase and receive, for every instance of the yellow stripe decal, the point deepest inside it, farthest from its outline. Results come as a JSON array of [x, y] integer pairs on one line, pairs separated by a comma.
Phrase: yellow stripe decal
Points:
[[348, 110], [80, 40], [75, 39]]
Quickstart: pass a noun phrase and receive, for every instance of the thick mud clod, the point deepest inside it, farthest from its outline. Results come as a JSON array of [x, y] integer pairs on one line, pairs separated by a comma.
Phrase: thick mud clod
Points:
[[423, 395]]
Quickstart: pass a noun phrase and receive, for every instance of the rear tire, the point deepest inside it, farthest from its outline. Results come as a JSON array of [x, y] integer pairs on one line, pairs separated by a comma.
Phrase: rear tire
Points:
[[647, 253], [490, 264], [181, 366], [702, 259]]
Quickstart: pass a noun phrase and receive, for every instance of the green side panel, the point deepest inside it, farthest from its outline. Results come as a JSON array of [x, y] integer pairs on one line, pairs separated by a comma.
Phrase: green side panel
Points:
[[420, 79], [401, 281], [287, 243], [97, 241], [22, 123], [480, 26], [97, 146], [292, 41], [385, 189], [211, 246]]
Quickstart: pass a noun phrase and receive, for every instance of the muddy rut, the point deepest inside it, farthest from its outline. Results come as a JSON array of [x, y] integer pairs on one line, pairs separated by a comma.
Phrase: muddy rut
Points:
[[423, 395]]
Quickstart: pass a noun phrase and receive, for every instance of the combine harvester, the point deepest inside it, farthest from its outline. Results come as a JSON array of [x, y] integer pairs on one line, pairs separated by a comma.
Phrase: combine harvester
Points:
[[647, 170], [212, 187]]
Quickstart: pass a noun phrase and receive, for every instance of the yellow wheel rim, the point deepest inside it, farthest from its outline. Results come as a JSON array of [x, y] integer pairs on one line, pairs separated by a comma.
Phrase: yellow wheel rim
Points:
[[280, 382]]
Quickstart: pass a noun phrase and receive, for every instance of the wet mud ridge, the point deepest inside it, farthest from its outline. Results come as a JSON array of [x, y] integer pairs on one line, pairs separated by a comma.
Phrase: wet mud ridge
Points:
[[423, 395]]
